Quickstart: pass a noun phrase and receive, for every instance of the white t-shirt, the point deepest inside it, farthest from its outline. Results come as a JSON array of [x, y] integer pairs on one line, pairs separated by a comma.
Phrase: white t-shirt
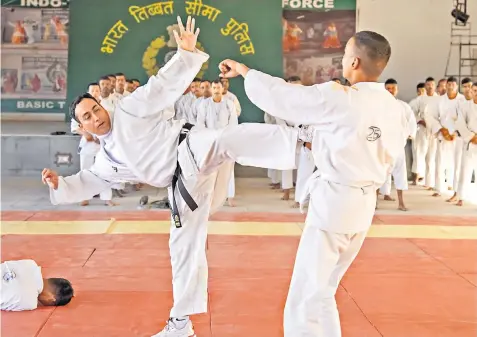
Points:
[[22, 282]]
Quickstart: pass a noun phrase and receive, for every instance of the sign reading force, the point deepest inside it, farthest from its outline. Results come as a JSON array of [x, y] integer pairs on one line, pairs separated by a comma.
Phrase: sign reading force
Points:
[[36, 3], [308, 4]]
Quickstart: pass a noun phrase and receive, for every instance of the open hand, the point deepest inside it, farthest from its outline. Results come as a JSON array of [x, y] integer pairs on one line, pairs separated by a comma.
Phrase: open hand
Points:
[[231, 68], [50, 177], [187, 38]]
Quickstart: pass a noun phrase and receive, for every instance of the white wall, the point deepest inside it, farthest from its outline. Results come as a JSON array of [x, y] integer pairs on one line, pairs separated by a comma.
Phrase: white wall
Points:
[[419, 33]]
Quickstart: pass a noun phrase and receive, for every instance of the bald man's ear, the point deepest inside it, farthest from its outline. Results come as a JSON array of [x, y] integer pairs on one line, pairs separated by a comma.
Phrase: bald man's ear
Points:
[[356, 62]]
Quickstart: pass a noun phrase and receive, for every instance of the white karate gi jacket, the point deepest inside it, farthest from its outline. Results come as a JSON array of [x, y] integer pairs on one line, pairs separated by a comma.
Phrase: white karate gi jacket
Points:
[[142, 143]]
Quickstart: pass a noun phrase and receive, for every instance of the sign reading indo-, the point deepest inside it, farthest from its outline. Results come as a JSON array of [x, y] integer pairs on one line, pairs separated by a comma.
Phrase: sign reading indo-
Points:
[[135, 37]]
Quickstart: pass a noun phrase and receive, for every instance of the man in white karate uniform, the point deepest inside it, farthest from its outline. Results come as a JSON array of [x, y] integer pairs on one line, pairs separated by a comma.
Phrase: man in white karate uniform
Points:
[[420, 91], [466, 85], [183, 106], [143, 143], [424, 163], [442, 87], [206, 92], [231, 96], [107, 100], [216, 112], [120, 86], [357, 137], [23, 287], [466, 125], [89, 147], [399, 171], [443, 119]]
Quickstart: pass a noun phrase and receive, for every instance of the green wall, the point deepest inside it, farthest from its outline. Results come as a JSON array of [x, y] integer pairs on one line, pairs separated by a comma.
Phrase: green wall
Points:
[[90, 21]]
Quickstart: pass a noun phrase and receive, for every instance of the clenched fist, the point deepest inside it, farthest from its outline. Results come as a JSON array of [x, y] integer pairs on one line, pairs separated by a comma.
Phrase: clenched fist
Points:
[[445, 133], [50, 177]]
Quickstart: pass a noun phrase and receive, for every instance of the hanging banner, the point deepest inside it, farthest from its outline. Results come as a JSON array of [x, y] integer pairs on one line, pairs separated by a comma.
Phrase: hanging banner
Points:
[[135, 37], [315, 33], [34, 57], [36, 3]]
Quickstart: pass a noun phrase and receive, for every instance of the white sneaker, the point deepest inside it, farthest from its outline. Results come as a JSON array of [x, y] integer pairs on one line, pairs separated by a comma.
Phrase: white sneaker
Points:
[[174, 328]]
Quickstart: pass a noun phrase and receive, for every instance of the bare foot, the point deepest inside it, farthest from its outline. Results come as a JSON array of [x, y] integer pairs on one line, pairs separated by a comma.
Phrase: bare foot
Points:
[[402, 208], [295, 205], [388, 198], [437, 194], [460, 203], [110, 203], [286, 195], [231, 202], [429, 188], [84, 203], [275, 186], [414, 183], [453, 198]]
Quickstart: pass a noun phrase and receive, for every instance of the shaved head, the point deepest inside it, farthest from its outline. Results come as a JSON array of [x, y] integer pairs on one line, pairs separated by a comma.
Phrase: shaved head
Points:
[[366, 55]]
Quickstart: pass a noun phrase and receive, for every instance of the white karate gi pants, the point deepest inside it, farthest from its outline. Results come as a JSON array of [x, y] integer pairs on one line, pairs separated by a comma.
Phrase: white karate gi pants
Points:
[[274, 176], [207, 158], [419, 151], [287, 179], [324, 256], [231, 190], [444, 165], [469, 166], [399, 173], [306, 166], [430, 162], [86, 161], [458, 149]]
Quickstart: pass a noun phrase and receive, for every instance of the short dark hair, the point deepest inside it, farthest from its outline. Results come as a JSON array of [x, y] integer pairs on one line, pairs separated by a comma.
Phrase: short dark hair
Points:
[[376, 48], [390, 81], [204, 80], [293, 79], [118, 74], [217, 81], [135, 80], [445, 80], [450, 79], [77, 101], [196, 79], [104, 78], [466, 80], [93, 83], [111, 75], [430, 79], [129, 81], [420, 85], [63, 290]]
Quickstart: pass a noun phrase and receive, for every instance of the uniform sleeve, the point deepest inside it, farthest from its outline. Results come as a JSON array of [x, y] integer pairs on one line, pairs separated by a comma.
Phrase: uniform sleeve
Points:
[[201, 115], [462, 125], [238, 108], [165, 88], [233, 117], [82, 186], [412, 124], [432, 117], [295, 103]]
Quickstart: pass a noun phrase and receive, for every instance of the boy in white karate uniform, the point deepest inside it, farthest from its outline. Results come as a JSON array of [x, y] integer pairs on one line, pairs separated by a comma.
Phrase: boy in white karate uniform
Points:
[[274, 175], [216, 112], [424, 162], [420, 91], [231, 96], [357, 137], [466, 125], [399, 172], [193, 162], [23, 287], [460, 147], [443, 119]]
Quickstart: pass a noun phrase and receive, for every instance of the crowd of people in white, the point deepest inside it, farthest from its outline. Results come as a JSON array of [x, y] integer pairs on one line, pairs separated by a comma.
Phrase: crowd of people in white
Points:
[[440, 121]]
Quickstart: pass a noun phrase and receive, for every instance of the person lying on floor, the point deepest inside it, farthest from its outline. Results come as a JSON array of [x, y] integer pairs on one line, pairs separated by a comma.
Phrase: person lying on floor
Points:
[[24, 288]]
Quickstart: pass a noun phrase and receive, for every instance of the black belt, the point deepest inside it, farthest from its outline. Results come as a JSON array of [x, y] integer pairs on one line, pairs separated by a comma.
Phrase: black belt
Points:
[[177, 181]]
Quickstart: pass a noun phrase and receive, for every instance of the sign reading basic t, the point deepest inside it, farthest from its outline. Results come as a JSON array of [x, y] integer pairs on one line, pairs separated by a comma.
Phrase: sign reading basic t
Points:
[[318, 4]]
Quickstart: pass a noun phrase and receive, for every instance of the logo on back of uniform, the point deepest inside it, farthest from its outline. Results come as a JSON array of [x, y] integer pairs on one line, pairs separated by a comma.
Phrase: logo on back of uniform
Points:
[[374, 133]]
